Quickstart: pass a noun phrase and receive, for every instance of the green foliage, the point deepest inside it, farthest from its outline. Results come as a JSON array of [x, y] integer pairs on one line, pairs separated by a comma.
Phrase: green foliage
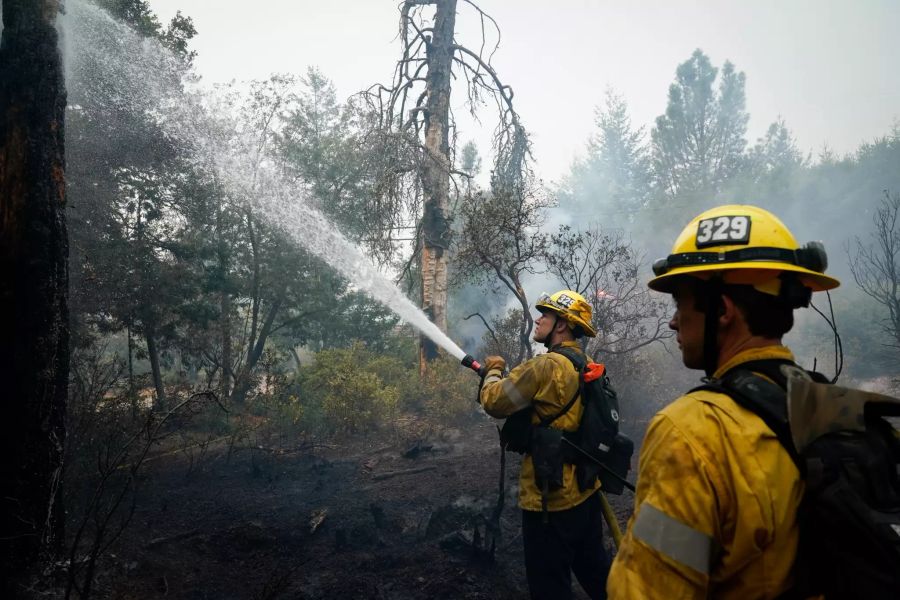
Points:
[[775, 155], [357, 401], [177, 35], [358, 390], [161, 249], [323, 143], [448, 392], [698, 144], [138, 15], [348, 394]]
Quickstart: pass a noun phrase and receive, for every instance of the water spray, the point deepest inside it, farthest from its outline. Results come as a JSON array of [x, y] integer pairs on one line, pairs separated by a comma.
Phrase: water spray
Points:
[[277, 198]]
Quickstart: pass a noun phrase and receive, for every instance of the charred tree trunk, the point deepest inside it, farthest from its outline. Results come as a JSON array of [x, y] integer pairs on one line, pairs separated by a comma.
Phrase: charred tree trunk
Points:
[[34, 357], [527, 324], [436, 176], [255, 350], [227, 353], [224, 309], [155, 369], [132, 390]]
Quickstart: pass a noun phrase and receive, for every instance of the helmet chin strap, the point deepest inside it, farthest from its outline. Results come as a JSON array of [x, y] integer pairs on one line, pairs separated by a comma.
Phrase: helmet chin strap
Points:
[[711, 326], [548, 341]]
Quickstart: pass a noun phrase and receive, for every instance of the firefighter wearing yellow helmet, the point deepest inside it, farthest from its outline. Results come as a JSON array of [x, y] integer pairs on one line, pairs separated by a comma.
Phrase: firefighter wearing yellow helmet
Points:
[[573, 309], [562, 528], [717, 494]]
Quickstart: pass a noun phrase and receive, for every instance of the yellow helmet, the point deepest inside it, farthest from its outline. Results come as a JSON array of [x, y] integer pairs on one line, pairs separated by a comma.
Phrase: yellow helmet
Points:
[[571, 306], [745, 245]]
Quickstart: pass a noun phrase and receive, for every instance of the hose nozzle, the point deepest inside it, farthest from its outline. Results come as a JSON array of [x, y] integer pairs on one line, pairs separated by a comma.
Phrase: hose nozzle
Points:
[[470, 362]]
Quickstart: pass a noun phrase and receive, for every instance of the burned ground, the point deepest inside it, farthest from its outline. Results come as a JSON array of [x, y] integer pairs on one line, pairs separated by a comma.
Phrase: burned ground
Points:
[[367, 518]]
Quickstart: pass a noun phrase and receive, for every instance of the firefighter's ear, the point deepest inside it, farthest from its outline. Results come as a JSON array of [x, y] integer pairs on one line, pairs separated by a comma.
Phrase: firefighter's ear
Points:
[[728, 311], [560, 325]]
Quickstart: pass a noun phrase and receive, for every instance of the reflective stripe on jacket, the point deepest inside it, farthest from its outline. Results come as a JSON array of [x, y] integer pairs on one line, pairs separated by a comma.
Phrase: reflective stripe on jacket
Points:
[[547, 381], [716, 503]]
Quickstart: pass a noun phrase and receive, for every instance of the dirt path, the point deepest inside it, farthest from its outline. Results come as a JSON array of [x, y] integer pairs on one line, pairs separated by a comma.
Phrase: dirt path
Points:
[[369, 520]]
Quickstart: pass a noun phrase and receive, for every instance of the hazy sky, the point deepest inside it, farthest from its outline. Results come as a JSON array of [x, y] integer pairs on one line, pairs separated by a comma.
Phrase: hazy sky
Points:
[[828, 67]]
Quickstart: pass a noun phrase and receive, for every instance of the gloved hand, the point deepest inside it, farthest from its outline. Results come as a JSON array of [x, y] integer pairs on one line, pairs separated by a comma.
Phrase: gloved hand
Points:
[[495, 362], [490, 363]]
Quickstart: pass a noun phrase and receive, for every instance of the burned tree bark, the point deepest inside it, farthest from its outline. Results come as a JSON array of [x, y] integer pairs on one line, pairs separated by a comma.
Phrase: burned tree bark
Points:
[[34, 326], [436, 174], [414, 125]]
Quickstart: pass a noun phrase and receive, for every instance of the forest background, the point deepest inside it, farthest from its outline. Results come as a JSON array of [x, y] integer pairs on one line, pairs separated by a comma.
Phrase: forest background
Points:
[[189, 306]]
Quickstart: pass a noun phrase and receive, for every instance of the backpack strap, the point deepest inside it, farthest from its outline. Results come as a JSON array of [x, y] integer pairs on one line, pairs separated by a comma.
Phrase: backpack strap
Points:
[[578, 361], [766, 398]]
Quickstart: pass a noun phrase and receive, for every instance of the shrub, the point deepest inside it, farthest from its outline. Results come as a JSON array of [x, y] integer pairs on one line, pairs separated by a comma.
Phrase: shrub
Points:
[[448, 392], [354, 389], [358, 401], [342, 389]]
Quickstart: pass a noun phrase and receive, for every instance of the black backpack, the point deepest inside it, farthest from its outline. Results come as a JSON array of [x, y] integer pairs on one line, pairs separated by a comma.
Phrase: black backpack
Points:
[[849, 517], [596, 448]]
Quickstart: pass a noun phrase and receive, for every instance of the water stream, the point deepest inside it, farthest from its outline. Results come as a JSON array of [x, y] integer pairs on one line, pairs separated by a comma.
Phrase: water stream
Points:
[[140, 75]]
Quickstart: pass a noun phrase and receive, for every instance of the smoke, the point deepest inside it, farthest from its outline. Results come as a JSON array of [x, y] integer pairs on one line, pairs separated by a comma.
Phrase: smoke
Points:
[[824, 197]]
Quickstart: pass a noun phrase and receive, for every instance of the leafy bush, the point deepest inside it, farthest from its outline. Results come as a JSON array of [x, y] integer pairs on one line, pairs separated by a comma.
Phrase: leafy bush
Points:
[[358, 401], [355, 389], [448, 392], [342, 389], [392, 370]]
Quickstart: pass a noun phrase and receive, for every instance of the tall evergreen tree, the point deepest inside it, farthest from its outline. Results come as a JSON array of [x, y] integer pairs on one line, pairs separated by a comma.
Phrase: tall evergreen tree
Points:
[[614, 178], [698, 144], [322, 146], [775, 153]]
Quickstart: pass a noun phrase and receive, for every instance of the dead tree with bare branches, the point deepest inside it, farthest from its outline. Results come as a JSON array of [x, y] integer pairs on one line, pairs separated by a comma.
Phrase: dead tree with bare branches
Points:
[[415, 127], [502, 242], [605, 269], [876, 265]]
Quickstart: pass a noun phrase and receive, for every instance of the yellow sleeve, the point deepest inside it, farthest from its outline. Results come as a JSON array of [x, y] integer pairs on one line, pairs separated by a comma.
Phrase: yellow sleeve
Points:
[[670, 544], [503, 396]]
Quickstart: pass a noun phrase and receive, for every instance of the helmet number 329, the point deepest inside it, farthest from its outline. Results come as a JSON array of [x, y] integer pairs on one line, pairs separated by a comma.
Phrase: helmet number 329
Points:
[[723, 230], [565, 301]]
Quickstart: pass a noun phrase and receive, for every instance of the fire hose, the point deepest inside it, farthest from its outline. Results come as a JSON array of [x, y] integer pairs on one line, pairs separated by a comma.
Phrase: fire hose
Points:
[[608, 514]]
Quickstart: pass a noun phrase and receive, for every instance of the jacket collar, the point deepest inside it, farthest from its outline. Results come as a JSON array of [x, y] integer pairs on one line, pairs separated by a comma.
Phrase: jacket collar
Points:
[[775, 351], [572, 344]]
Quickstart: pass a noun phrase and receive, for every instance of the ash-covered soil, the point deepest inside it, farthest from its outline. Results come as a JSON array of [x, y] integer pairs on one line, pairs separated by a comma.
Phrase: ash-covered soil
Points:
[[369, 518]]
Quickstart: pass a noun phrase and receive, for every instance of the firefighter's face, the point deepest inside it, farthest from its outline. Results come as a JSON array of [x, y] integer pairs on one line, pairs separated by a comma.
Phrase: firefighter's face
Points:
[[688, 324], [543, 326]]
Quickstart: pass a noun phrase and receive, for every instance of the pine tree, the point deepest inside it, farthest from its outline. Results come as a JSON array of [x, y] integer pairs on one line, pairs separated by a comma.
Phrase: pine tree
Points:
[[613, 181], [698, 144]]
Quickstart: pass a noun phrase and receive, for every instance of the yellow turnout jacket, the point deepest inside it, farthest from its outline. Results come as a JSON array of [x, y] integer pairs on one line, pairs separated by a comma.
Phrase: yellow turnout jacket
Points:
[[547, 382], [716, 503]]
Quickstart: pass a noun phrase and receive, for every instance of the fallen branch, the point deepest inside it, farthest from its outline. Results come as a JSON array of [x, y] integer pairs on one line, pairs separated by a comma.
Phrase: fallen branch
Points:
[[389, 474], [284, 451], [317, 518], [172, 538], [381, 449]]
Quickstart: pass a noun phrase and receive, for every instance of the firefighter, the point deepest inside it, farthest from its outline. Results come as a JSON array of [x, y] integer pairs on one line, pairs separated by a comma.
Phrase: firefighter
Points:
[[717, 493], [561, 523]]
